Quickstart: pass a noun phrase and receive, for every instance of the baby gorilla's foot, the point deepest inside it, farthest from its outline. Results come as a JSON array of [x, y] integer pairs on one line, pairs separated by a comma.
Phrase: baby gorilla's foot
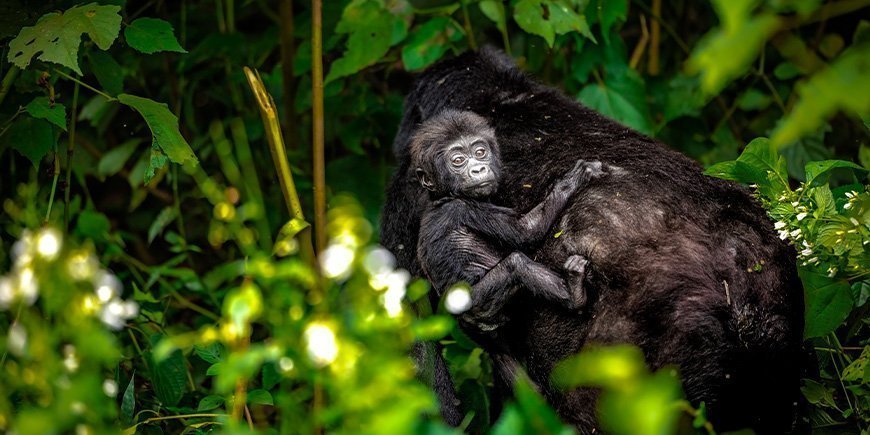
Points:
[[575, 268]]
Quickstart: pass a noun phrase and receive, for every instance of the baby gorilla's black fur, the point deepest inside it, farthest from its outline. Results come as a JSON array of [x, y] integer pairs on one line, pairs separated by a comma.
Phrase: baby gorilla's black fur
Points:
[[675, 252], [463, 238]]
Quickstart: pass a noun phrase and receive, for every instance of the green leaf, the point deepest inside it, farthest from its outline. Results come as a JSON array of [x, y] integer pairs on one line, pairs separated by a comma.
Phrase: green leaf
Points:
[[210, 402], [609, 367], [108, 72], [212, 353], [166, 216], [433, 327], [817, 393], [169, 377], [370, 29], [494, 10], [164, 129], [828, 302], [818, 173], [93, 225], [128, 402], [859, 370], [156, 161], [622, 98], [647, 410], [260, 397], [739, 40], [609, 12], [56, 37], [150, 35], [548, 18], [429, 42], [31, 137], [42, 108], [114, 160], [539, 417], [842, 86]]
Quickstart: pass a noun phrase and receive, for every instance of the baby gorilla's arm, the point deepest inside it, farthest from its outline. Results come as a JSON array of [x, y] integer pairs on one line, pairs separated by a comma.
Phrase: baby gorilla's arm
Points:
[[501, 283], [518, 231]]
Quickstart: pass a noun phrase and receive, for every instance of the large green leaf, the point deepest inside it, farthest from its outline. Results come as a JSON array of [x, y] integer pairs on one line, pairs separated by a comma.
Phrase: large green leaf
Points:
[[371, 31], [57, 36], [169, 377], [622, 97], [31, 137], [494, 10], [429, 42], [727, 52], [759, 163], [609, 12], [548, 18], [42, 108], [818, 173], [107, 71], [842, 86], [828, 302], [150, 35], [164, 129]]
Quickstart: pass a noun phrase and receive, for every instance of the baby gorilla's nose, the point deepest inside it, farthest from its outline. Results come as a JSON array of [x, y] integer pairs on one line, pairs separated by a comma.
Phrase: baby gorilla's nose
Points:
[[479, 170]]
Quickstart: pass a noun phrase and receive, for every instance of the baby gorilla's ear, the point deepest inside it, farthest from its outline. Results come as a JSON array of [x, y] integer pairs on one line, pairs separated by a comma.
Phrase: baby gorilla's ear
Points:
[[425, 181]]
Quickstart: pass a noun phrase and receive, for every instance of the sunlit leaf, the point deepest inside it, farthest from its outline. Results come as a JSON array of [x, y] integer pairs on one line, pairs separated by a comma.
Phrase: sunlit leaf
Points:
[[842, 86], [56, 36], [494, 10], [370, 29], [210, 402], [260, 397], [164, 128], [429, 42], [151, 35], [548, 18]]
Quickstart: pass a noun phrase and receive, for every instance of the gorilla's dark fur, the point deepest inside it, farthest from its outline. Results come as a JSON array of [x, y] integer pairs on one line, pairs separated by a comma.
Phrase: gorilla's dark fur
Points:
[[685, 266]]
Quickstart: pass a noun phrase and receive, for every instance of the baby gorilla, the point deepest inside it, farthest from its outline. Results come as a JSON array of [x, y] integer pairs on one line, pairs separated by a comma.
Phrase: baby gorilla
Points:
[[463, 238]]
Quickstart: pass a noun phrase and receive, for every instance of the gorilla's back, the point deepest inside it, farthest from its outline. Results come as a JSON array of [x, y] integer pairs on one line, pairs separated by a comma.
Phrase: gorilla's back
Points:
[[675, 255]]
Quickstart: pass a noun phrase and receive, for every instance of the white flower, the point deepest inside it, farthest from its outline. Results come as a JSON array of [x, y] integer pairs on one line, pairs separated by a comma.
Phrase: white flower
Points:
[[795, 204], [458, 300], [48, 243], [779, 225], [796, 232], [851, 195], [847, 205], [783, 234], [854, 221], [801, 216], [832, 271], [321, 344], [807, 252]]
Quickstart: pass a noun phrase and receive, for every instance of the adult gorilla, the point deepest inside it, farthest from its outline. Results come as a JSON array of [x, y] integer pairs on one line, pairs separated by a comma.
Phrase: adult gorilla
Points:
[[685, 266]]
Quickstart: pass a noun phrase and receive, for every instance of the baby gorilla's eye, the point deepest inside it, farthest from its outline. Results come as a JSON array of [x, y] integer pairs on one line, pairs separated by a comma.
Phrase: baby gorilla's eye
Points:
[[480, 153], [458, 160]]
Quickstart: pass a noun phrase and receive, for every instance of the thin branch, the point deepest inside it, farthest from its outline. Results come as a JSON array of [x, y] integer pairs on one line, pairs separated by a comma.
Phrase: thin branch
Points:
[[652, 66], [8, 79], [85, 85], [639, 49]]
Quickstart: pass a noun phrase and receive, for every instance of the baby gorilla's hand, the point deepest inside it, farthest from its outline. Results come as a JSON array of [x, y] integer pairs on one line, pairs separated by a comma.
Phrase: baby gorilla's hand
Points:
[[579, 175]]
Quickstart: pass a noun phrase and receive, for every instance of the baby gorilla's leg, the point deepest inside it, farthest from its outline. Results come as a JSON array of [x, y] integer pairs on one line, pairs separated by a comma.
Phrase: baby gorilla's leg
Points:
[[575, 268], [540, 280]]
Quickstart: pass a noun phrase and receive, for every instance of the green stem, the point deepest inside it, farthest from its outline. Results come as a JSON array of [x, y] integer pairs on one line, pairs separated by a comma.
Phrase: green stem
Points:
[[8, 79], [469, 31], [70, 149], [53, 186], [85, 85], [317, 127]]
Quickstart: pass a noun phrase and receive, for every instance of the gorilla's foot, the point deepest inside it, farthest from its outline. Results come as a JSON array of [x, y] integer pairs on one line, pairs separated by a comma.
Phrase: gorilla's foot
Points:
[[575, 268]]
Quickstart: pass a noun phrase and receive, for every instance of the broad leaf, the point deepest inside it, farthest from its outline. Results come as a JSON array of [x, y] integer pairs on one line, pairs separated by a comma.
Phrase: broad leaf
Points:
[[819, 172], [166, 216], [169, 377], [164, 128], [843, 86], [31, 137], [151, 35], [210, 402], [859, 370], [57, 36], [114, 160], [828, 302], [494, 10], [42, 108], [548, 18], [260, 397], [609, 12], [739, 40], [429, 42], [107, 71], [622, 97], [371, 31]]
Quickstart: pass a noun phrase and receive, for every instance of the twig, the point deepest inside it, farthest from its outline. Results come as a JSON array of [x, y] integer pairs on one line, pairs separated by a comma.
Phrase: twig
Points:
[[317, 125], [70, 149], [652, 65], [53, 186], [469, 31], [288, 54], [85, 85], [639, 49]]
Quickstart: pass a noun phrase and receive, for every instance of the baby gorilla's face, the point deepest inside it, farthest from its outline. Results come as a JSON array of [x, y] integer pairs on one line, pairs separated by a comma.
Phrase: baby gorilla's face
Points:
[[472, 165]]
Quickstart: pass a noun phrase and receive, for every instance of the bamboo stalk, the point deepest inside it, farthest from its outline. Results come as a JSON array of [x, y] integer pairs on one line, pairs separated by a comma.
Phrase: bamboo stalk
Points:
[[279, 158], [652, 66], [288, 54], [8, 79]]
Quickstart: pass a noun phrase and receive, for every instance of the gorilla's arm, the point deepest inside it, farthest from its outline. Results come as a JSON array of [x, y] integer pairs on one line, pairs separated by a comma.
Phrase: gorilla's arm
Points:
[[519, 231]]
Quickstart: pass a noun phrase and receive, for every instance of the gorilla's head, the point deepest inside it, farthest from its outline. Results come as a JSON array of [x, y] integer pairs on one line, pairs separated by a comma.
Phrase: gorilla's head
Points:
[[455, 154]]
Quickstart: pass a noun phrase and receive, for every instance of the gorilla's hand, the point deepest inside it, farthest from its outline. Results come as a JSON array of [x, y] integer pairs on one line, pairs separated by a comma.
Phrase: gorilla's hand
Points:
[[578, 176]]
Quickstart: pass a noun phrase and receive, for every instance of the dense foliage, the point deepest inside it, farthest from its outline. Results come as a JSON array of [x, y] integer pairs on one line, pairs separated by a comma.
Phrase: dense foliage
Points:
[[174, 287]]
